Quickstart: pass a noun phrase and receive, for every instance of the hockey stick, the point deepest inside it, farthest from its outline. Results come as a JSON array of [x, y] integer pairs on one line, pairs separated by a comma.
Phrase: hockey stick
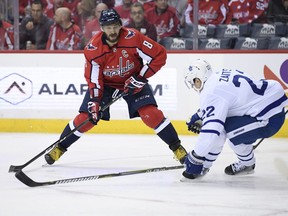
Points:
[[21, 176], [255, 146], [20, 167]]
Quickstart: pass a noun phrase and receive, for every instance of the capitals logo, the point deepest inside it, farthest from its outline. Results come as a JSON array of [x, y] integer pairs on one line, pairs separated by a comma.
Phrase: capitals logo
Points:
[[130, 34], [91, 47], [121, 70]]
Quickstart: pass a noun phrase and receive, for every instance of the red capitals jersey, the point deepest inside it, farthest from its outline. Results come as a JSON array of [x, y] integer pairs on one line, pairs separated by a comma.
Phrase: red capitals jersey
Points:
[[209, 12], [6, 36], [167, 24], [246, 11], [64, 39], [112, 66]]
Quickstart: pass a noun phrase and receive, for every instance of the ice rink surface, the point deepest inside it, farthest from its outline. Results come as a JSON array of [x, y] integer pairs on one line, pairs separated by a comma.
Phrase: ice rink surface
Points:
[[263, 193]]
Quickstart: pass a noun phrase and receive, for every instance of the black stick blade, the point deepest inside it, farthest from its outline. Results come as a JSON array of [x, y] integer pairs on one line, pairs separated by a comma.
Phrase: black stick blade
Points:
[[13, 168], [21, 176]]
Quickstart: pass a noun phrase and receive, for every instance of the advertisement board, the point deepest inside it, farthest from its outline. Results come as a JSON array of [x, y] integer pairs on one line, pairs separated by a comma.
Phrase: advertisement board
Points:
[[52, 85]]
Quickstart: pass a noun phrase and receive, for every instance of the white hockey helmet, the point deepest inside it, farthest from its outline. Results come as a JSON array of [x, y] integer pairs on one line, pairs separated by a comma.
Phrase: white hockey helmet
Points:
[[200, 69]]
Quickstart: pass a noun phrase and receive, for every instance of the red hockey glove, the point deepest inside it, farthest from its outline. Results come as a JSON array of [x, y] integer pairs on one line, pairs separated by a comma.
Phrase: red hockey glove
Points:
[[134, 84], [94, 110]]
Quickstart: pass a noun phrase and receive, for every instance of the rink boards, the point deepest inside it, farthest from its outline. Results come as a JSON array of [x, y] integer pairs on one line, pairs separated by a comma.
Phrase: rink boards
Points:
[[42, 92]]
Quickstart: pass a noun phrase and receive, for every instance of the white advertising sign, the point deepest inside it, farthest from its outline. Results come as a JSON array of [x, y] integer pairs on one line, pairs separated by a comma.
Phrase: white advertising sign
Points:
[[41, 86]]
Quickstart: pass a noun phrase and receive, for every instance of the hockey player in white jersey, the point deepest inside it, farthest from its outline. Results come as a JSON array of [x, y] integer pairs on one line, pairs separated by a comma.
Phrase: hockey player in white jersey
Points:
[[233, 107]]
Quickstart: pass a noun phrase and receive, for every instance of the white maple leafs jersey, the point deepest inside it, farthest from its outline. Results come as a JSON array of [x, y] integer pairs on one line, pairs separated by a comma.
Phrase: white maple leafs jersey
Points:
[[234, 93]]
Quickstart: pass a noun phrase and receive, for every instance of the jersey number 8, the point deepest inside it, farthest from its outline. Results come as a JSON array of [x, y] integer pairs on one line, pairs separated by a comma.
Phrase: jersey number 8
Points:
[[147, 44]]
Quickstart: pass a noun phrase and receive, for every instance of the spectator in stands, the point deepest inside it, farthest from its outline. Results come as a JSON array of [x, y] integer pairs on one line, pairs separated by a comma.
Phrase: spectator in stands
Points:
[[139, 22], [24, 4], [164, 18], [180, 6], [35, 28], [124, 11], [6, 35], [110, 3], [147, 4], [246, 11], [93, 26], [277, 11], [72, 5], [50, 11], [85, 12], [210, 12], [64, 35]]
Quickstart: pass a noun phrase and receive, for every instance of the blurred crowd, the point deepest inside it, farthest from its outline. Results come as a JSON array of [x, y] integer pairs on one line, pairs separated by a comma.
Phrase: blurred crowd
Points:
[[69, 24]]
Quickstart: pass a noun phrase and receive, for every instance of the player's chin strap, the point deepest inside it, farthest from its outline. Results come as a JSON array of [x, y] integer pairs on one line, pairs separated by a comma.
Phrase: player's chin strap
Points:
[[20, 167]]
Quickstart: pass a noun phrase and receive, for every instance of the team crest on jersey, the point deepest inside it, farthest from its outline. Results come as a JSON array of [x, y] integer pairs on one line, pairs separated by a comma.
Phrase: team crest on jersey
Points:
[[121, 69], [130, 34], [91, 47]]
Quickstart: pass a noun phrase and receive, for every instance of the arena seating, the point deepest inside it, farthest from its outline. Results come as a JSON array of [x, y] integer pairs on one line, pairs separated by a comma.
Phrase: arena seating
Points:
[[278, 43], [265, 30], [203, 31], [249, 43], [173, 43], [215, 43]]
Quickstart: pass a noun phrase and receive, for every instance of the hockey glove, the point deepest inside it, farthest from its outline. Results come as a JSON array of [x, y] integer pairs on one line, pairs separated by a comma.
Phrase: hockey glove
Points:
[[94, 110], [195, 122], [194, 166], [134, 84]]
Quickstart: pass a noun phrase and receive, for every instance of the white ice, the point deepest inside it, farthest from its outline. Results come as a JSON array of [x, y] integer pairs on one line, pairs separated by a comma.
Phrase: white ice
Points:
[[263, 193]]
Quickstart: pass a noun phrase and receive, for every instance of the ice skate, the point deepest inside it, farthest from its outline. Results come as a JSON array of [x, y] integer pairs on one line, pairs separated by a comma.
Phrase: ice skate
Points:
[[239, 169], [189, 177], [180, 154], [54, 154]]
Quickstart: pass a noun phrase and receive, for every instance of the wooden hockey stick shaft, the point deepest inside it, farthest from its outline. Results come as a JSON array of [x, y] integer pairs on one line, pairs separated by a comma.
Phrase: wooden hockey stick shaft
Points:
[[13, 168], [21, 176]]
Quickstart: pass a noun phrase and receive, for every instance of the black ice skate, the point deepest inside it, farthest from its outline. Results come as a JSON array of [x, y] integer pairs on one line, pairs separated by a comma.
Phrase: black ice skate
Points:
[[189, 177], [239, 169]]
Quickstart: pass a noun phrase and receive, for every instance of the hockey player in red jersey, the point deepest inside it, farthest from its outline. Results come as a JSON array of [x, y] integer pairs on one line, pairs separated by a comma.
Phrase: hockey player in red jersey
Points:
[[114, 63]]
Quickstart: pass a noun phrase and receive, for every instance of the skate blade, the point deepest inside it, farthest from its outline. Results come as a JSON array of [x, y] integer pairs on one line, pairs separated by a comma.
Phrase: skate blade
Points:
[[243, 173]]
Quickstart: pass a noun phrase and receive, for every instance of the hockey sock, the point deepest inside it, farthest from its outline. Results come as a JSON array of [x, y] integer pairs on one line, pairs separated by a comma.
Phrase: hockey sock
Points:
[[70, 139], [168, 134], [77, 134]]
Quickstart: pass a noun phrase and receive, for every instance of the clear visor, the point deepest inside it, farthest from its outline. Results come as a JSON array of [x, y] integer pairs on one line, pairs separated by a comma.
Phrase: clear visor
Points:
[[189, 83]]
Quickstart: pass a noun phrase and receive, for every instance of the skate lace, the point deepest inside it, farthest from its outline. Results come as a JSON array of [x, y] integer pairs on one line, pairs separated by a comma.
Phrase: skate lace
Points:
[[238, 166]]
